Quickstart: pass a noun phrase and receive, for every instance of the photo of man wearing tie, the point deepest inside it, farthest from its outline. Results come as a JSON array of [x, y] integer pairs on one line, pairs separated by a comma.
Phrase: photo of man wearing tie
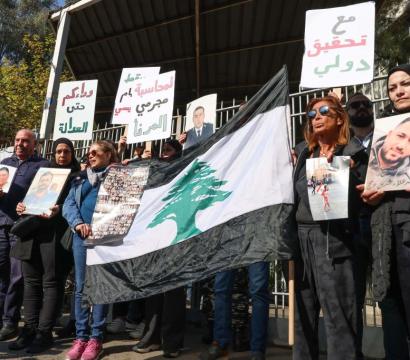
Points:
[[201, 130]]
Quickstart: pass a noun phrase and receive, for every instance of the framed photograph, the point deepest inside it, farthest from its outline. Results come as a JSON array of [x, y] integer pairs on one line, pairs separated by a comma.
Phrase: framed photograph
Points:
[[45, 190], [328, 187], [118, 202], [6, 177], [389, 159], [200, 120]]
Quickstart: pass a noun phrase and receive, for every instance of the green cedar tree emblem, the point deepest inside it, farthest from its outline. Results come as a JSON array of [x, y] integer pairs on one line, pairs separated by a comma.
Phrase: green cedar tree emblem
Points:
[[195, 191]]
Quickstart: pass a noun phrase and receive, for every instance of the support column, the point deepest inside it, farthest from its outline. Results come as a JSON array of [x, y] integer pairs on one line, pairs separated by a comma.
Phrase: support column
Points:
[[49, 108]]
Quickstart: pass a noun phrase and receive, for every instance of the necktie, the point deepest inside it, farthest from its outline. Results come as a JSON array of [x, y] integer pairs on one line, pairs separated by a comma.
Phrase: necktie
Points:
[[198, 133]]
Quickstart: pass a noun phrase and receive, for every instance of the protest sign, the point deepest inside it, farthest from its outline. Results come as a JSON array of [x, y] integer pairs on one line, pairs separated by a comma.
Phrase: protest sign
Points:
[[153, 102], [6, 177], [328, 187], [339, 46], [118, 200], [75, 110], [389, 160], [200, 119], [124, 101], [45, 190]]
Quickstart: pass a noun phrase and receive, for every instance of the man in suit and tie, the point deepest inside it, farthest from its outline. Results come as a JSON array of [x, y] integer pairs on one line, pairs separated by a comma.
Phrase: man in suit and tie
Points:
[[200, 132]]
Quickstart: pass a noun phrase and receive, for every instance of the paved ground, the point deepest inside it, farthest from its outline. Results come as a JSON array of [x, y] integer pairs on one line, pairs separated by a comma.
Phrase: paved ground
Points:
[[120, 349]]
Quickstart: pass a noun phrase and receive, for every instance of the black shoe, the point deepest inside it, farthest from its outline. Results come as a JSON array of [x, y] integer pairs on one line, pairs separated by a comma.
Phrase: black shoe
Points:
[[145, 348], [138, 333], [214, 352], [8, 331], [171, 354], [117, 326], [67, 331], [42, 342], [258, 356], [25, 338]]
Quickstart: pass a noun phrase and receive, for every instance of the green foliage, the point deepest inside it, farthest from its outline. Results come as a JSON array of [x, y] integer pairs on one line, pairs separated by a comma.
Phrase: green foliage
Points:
[[393, 33], [23, 86], [195, 191]]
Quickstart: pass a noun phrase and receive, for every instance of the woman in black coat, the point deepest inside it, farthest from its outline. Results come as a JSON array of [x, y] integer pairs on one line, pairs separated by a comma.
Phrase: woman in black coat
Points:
[[43, 263]]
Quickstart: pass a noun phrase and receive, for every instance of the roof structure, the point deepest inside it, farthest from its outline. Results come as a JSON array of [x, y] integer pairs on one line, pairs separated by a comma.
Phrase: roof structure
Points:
[[231, 47]]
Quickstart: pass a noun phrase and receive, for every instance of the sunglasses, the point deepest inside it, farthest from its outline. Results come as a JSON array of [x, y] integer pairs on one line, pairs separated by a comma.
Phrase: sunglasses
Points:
[[357, 104], [323, 110], [93, 153]]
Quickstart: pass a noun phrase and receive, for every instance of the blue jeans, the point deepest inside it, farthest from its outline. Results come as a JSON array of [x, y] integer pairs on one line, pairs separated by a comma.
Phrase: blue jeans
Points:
[[258, 289], [82, 313]]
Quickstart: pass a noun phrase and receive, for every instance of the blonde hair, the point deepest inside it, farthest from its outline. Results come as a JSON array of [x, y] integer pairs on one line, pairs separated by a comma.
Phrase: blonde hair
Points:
[[341, 114], [107, 146]]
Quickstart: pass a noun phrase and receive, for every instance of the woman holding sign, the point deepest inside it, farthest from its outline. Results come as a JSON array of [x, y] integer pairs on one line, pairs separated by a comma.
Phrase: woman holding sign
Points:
[[78, 211], [44, 261], [324, 275], [391, 219]]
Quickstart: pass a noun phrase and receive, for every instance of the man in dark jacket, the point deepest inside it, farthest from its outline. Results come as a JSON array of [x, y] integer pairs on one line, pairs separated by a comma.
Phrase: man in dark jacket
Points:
[[11, 279]]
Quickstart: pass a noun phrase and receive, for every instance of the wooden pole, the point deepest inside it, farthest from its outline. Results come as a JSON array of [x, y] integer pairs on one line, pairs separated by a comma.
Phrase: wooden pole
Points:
[[291, 324]]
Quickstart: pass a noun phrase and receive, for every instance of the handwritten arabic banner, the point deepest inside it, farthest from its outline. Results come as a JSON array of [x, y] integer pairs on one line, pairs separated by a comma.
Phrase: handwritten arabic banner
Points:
[[339, 46], [75, 110], [124, 101], [153, 103]]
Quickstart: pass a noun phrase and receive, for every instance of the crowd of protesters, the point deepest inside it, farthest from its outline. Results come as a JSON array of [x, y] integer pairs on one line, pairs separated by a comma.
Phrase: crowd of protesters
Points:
[[37, 253]]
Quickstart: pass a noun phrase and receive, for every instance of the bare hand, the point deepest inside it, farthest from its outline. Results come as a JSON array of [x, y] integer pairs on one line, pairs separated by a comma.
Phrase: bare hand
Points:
[[182, 138], [293, 156], [20, 209], [84, 230], [122, 144], [125, 162], [371, 197], [54, 211]]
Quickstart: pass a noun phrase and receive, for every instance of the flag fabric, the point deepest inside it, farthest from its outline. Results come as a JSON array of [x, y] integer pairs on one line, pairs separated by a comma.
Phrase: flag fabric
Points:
[[224, 205]]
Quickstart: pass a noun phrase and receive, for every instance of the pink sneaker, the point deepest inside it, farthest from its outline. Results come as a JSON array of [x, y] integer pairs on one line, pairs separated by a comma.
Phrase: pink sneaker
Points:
[[76, 350], [93, 350]]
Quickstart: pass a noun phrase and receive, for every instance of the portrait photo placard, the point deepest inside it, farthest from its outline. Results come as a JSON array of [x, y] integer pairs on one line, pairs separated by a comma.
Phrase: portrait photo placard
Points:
[[389, 161], [6, 177], [328, 187], [45, 190], [200, 120]]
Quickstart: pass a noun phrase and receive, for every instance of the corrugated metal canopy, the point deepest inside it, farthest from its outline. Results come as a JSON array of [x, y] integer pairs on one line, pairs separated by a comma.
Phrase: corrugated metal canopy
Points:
[[242, 43]]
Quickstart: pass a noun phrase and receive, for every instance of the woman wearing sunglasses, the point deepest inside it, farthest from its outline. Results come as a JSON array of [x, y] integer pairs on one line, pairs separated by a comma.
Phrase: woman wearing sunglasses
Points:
[[324, 275], [78, 211]]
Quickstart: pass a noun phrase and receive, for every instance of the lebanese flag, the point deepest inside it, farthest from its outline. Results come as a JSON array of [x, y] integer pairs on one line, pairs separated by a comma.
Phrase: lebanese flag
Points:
[[225, 205]]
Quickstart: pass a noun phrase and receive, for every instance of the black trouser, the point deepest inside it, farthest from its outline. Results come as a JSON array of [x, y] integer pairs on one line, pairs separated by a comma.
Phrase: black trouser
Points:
[[402, 243], [327, 284], [42, 286], [165, 315]]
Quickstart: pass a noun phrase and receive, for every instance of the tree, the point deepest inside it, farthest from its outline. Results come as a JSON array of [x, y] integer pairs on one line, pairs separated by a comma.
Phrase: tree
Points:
[[197, 190], [23, 86], [393, 33], [20, 18]]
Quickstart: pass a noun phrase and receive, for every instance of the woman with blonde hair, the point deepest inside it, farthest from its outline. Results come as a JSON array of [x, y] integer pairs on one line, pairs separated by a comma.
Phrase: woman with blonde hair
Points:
[[324, 275]]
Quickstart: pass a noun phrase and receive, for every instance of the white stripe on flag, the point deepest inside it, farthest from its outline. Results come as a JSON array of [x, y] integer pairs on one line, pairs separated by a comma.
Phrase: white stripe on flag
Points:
[[254, 161]]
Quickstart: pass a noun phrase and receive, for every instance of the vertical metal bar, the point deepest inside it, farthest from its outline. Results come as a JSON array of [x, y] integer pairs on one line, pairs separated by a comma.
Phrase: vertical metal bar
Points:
[[197, 48]]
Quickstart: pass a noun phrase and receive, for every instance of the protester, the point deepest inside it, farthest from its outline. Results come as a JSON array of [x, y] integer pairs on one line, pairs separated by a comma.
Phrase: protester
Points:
[[78, 209], [11, 279], [324, 275], [258, 288], [165, 313], [44, 264], [391, 218]]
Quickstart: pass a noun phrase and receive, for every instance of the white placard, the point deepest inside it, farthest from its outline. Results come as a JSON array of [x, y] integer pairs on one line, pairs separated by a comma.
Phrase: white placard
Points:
[[122, 113], [75, 110], [200, 120], [153, 102], [339, 46]]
